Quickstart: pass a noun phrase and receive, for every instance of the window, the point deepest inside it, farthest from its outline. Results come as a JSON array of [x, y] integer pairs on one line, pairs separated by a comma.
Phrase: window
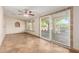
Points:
[[30, 25]]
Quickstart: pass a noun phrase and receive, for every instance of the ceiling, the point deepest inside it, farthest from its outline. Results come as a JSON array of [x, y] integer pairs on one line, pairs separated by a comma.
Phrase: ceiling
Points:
[[12, 11]]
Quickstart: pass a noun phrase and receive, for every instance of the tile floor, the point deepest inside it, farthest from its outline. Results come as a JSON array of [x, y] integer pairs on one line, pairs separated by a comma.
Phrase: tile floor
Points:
[[26, 43]]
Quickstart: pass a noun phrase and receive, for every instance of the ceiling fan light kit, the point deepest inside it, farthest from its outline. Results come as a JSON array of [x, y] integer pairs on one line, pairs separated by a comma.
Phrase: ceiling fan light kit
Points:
[[26, 15], [26, 12]]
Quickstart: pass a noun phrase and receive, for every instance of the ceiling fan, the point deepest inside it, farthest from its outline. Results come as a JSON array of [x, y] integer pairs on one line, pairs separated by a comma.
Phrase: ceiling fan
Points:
[[26, 12]]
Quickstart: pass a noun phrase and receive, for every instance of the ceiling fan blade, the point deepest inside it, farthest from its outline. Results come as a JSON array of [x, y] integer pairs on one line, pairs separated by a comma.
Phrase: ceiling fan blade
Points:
[[25, 12], [19, 14], [19, 11], [31, 14], [30, 11]]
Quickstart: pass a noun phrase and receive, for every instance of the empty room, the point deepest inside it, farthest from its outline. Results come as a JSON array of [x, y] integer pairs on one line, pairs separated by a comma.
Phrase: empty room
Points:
[[39, 29]]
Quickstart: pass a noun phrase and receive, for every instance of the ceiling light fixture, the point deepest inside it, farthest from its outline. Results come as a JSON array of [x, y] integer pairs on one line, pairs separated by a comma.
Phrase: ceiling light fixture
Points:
[[26, 15], [26, 12]]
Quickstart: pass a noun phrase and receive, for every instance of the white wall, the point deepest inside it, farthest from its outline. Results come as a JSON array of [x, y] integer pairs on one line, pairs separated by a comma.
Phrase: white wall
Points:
[[2, 34], [76, 27], [37, 26], [10, 25]]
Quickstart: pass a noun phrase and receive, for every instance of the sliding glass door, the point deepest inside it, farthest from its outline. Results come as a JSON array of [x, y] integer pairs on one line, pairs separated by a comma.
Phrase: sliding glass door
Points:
[[44, 27], [61, 31], [58, 30]]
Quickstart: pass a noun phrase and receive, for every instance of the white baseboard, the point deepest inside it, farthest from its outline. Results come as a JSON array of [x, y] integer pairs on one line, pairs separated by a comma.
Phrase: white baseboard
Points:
[[33, 33], [15, 33]]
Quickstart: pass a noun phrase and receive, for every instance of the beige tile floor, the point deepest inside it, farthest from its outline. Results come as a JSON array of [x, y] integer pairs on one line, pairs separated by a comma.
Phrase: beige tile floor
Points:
[[26, 43]]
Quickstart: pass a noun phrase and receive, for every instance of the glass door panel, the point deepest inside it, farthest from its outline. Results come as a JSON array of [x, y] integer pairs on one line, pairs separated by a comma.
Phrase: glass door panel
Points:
[[61, 29], [44, 24]]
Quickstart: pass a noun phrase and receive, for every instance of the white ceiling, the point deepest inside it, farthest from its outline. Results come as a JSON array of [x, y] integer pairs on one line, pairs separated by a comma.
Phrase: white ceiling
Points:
[[12, 11]]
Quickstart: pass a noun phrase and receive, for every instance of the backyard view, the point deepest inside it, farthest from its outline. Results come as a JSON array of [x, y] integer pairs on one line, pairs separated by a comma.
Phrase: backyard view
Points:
[[60, 31], [45, 28]]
